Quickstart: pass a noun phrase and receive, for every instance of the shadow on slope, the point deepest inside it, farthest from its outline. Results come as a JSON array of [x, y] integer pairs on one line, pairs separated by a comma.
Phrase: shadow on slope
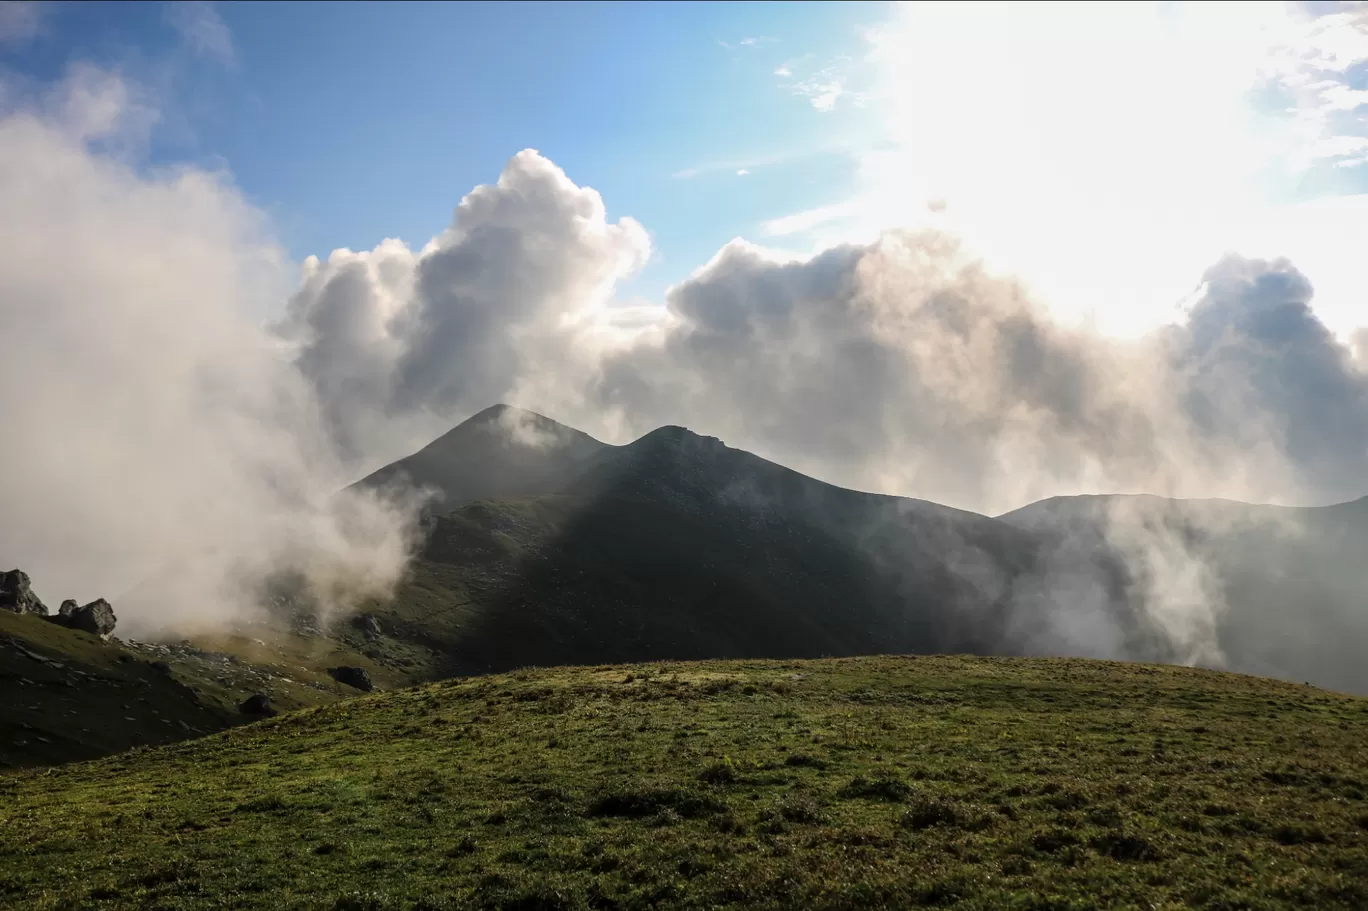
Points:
[[499, 452], [678, 547]]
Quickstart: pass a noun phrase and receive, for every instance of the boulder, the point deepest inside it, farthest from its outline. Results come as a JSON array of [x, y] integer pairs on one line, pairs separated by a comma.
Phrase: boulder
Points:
[[368, 624], [356, 677], [257, 704], [16, 594], [96, 617]]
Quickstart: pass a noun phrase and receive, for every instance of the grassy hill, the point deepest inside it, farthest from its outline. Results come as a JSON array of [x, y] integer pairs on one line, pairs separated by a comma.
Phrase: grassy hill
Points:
[[855, 783], [68, 695]]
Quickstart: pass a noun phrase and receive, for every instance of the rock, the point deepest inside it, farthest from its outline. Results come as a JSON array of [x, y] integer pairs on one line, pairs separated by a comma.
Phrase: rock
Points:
[[352, 676], [258, 704], [96, 617], [16, 594], [368, 624]]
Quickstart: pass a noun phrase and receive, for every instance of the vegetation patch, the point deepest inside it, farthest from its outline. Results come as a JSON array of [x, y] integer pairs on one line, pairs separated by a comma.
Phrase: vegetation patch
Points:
[[956, 782]]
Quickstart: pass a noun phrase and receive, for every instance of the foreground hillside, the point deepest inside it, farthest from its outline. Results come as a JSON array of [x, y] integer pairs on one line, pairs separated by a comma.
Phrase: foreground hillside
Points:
[[879, 782], [67, 694]]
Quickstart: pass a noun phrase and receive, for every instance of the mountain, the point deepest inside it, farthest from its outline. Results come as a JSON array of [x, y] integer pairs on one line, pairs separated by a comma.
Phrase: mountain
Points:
[[677, 546], [500, 452], [1290, 583], [837, 785]]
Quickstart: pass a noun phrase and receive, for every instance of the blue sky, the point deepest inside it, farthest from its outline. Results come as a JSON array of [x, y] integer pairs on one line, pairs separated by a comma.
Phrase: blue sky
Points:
[[352, 122]]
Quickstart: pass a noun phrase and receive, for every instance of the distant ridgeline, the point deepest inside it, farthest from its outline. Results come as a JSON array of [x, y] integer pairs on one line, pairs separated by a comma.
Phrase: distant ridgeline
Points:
[[546, 546]]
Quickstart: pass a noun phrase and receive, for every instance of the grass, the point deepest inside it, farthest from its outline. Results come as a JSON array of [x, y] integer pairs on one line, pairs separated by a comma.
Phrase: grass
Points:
[[849, 783], [68, 695]]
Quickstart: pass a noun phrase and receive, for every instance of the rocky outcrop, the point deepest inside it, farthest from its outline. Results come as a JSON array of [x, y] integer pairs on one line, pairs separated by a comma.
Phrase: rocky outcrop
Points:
[[368, 624], [96, 617], [356, 677], [16, 594], [258, 704]]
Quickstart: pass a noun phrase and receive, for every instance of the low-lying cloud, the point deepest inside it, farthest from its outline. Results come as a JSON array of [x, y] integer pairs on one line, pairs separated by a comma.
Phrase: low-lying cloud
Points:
[[161, 449]]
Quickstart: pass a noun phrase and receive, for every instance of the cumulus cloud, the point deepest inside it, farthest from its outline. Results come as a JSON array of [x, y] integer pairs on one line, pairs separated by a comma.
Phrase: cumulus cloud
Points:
[[489, 305], [160, 448], [902, 366]]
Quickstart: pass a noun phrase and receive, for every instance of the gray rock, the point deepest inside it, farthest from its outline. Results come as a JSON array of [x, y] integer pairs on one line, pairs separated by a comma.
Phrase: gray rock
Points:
[[258, 704], [96, 617], [356, 677], [16, 594], [368, 624]]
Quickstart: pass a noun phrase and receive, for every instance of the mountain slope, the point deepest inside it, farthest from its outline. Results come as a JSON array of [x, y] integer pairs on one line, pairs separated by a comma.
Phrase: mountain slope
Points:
[[677, 546], [844, 784], [1291, 583], [500, 452], [69, 695]]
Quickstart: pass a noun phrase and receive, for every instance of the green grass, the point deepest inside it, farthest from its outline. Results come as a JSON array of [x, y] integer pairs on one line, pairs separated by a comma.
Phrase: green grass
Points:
[[68, 695], [851, 783]]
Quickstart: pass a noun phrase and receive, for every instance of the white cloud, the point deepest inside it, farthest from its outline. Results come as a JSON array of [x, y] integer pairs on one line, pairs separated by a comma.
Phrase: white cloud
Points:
[[1066, 156], [823, 86], [202, 28], [742, 172], [394, 340], [900, 365], [748, 42], [20, 21], [159, 450]]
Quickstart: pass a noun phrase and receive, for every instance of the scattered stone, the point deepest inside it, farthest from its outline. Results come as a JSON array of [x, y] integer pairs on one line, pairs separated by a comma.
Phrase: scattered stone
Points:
[[368, 624], [16, 594], [96, 617], [258, 704], [356, 677]]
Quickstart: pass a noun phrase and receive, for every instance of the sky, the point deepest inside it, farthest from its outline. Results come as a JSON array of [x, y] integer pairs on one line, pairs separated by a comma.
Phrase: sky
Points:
[[1041, 129], [977, 253], [353, 122]]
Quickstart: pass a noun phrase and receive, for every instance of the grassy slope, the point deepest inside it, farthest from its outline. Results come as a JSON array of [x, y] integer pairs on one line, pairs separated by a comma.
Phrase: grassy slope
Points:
[[82, 697], [879, 782]]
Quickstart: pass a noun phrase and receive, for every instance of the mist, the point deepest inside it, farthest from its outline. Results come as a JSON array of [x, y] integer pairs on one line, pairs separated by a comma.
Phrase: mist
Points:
[[161, 450]]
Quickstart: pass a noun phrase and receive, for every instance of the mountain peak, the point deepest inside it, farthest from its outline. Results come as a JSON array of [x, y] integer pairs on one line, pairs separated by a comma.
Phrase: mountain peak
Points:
[[500, 451], [502, 412]]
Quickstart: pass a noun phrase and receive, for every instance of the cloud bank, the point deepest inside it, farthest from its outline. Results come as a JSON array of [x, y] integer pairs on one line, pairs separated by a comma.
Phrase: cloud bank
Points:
[[901, 366], [160, 447]]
